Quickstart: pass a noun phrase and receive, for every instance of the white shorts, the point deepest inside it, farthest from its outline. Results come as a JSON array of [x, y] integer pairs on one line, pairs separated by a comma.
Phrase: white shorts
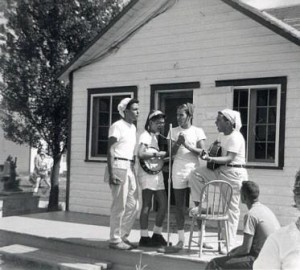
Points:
[[181, 173], [149, 181]]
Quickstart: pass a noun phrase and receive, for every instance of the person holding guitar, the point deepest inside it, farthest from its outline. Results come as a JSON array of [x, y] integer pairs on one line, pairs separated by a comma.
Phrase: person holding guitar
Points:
[[187, 145], [231, 169], [151, 179]]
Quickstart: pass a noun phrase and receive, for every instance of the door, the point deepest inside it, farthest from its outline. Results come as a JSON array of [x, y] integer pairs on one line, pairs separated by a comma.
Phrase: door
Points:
[[168, 101]]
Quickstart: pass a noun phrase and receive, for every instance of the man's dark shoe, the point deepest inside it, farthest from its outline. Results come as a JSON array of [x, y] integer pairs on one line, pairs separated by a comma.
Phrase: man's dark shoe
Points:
[[159, 239], [120, 246], [146, 241], [126, 241]]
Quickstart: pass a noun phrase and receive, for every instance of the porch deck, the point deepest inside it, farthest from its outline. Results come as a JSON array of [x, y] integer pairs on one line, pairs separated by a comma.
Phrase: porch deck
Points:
[[86, 235]]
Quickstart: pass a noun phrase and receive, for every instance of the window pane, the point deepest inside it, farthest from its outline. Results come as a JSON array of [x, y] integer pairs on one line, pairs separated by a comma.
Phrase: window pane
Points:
[[240, 98], [260, 150], [244, 132], [272, 133], [102, 147], [104, 119], [243, 98], [102, 133], [271, 151], [104, 104], [272, 115], [260, 133], [261, 115], [115, 117], [262, 97], [244, 115], [273, 97]]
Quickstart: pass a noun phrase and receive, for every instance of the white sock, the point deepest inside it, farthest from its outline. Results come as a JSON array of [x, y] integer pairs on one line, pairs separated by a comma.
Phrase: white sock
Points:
[[181, 235], [144, 233], [157, 230]]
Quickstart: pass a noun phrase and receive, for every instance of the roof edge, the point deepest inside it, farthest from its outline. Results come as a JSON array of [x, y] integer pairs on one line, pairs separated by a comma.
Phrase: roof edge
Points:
[[267, 20], [68, 68]]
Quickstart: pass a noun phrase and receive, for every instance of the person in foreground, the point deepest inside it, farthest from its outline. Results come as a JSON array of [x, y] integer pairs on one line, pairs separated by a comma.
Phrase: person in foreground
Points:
[[121, 175], [152, 184], [259, 223], [231, 167], [282, 248], [187, 144]]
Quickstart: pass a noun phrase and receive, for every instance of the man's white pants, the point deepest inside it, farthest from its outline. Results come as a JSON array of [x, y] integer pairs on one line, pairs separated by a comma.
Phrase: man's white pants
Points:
[[124, 207], [233, 176]]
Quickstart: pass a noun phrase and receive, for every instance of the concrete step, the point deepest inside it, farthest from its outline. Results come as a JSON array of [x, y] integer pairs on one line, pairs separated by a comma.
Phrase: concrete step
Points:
[[50, 259]]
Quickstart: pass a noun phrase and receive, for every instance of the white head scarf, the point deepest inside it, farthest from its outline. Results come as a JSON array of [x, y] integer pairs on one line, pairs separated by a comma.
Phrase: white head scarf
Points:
[[234, 117], [122, 106]]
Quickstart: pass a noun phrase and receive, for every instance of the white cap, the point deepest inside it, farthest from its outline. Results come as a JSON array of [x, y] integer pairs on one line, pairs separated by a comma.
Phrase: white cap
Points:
[[122, 106], [234, 117]]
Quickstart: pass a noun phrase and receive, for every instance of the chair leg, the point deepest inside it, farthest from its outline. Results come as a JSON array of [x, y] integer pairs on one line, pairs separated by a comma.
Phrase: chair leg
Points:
[[226, 235], [191, 233], [219, 235], [201, 240]]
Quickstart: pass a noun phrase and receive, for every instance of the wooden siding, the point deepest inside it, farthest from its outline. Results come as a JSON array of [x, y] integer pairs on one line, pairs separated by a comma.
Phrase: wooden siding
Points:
[[196, 40]]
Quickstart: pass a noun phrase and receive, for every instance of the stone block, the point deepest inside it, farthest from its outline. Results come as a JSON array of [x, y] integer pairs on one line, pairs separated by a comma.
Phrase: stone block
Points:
[[18, 203]]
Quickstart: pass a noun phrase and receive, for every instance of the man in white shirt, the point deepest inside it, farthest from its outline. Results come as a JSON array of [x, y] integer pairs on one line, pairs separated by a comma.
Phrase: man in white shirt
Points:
[[121, 175]]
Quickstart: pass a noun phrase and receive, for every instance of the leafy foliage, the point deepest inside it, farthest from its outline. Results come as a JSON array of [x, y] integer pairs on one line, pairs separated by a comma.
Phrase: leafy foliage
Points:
[[41, 37]]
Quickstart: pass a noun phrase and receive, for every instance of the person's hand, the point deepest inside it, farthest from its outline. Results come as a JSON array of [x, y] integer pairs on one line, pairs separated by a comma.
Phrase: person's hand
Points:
[[162, 154], [113, 180], [204, 155], [181, 139]]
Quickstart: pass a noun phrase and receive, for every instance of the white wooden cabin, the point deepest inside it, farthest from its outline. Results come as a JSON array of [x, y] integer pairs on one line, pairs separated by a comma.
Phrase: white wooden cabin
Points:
[[215, 53]]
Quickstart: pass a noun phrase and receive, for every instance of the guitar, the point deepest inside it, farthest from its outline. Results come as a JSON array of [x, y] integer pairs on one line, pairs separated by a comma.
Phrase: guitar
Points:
[[152, 165], [215, 150]]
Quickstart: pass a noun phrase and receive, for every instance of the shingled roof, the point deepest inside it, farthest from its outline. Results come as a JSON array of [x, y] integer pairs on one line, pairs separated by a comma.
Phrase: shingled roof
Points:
[[289, 15]]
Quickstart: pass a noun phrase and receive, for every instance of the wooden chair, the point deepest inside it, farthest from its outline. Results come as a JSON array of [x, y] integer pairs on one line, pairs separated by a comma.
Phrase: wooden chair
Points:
[[215, 199]]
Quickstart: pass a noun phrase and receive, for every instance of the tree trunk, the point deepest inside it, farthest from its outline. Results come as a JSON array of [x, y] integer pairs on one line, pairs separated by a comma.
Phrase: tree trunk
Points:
[[53, 204]]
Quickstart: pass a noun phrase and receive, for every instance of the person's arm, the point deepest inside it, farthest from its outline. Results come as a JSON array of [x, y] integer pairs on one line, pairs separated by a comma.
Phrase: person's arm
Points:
[[144, 154], [198, 150], [110, 159], [244, 248], [221, 160], [176, 144]]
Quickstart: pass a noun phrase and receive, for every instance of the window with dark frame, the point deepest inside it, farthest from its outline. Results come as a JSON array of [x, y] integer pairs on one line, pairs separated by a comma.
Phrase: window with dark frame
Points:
[[102, 113], [261, 103], [258, 108]]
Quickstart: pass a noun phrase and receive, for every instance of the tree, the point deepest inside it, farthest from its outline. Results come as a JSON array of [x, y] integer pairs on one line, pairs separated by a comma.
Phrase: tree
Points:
[[41, 36]]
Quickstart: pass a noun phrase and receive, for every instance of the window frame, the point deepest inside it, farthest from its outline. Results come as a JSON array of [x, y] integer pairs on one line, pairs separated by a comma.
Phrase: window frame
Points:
[[257, 83], [96, 93]]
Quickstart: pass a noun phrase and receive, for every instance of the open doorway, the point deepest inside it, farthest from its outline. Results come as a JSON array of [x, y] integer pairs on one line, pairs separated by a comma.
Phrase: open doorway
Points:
[[167, 100]]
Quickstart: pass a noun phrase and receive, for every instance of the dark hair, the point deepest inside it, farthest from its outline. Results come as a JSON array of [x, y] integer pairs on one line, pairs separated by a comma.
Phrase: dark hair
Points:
[[154, 118], [251, 190], [132, 101]]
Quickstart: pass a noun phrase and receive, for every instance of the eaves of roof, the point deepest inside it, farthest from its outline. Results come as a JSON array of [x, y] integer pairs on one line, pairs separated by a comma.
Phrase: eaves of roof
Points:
[[136, 14]]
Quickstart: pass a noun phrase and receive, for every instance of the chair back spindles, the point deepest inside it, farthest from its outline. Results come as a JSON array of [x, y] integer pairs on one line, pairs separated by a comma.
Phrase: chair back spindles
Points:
[[215, 200]]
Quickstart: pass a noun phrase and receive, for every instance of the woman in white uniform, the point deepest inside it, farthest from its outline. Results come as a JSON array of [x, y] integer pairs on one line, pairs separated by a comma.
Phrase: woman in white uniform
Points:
[[187, 145], [152, 184]]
